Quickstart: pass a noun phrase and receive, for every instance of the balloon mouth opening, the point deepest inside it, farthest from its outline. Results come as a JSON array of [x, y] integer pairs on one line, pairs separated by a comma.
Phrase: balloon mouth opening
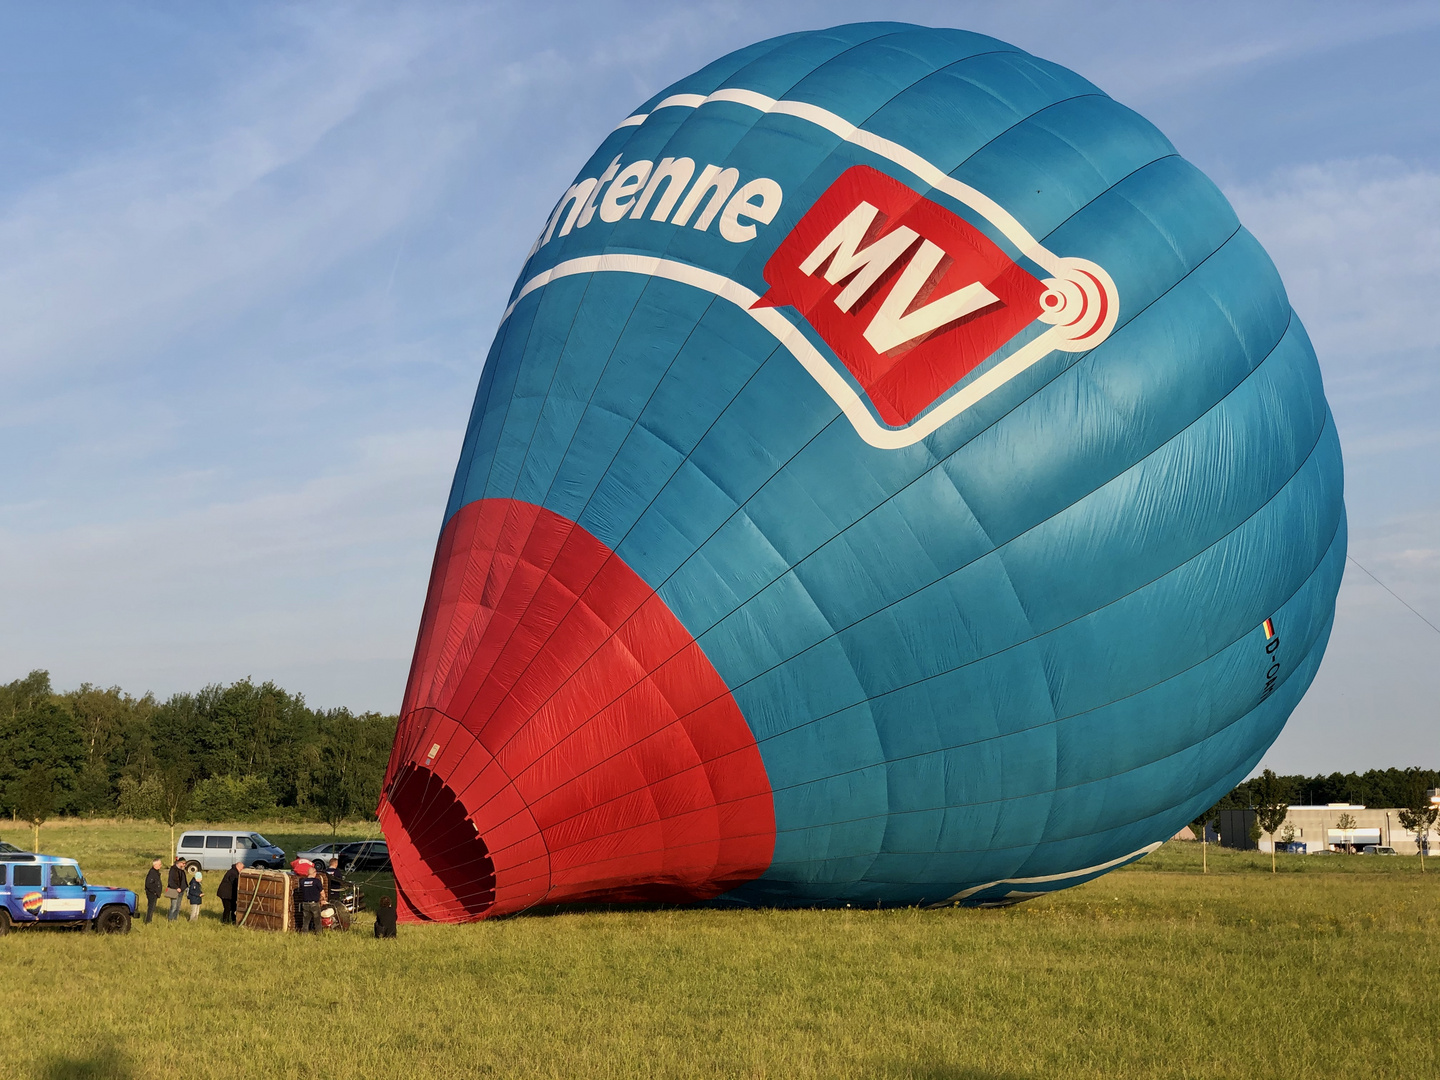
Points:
[[440, 830]]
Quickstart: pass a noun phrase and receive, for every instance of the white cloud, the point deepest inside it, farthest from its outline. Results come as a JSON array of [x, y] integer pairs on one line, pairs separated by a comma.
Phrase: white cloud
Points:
[[1143, 52], [223, 200], [1358, 244], [1404, 555], [330, 570]]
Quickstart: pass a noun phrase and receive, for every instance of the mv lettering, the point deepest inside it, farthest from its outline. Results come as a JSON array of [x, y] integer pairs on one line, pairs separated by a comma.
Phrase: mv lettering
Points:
[[894, 323], [909, 295]]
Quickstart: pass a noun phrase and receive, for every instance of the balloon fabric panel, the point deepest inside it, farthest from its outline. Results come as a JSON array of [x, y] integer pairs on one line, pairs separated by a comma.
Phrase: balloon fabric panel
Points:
[[874, 493]]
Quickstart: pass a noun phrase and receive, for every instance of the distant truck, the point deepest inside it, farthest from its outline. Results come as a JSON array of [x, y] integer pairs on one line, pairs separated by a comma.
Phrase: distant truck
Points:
[[46, 890]]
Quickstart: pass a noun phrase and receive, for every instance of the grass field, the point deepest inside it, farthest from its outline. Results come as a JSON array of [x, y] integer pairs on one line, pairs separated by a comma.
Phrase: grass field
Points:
[[1328, 969]]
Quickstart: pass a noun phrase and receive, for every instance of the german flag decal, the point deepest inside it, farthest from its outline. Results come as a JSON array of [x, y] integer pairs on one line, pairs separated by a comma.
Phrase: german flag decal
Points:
[[1269, 629]]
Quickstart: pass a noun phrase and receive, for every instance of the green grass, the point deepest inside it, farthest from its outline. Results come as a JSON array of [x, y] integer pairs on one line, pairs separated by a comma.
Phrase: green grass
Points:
[[1328, 970]]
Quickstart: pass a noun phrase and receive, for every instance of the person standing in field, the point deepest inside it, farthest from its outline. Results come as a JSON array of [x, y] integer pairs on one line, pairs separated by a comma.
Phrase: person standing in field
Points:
[[195, 893], [175, 887], [310, 896], [227, 891], [385, 918], [330, 899], [154, 886]]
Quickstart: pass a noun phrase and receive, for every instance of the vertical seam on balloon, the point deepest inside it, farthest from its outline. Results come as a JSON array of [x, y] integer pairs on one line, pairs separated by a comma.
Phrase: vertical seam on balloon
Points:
[[499, 439], [619, 448], [493, 553], [525, 456], [506, 524], [476, 419], [560, 356], [478, 425]]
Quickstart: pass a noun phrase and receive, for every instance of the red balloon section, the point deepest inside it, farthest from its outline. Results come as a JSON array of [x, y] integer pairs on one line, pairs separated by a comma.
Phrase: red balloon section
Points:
[[563, 737]]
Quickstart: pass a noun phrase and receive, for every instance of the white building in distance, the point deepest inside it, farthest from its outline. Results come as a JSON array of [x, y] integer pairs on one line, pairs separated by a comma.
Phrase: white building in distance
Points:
[[1318, 829]]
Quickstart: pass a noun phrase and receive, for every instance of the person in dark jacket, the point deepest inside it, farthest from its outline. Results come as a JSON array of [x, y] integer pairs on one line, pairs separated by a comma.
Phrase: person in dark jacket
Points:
[[175, 887], [154, 886], [310, 893], [385, 918], [226, 891]]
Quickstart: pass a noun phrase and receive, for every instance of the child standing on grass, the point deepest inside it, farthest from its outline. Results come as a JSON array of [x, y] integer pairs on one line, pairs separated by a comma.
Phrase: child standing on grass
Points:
[[195, 894]]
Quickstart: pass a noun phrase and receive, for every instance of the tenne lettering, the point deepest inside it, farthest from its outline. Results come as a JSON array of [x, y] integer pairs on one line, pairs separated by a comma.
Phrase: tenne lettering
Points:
[[665, 191]]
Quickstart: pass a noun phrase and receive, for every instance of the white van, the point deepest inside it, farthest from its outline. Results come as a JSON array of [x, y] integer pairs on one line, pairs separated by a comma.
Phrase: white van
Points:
[[219, 849]]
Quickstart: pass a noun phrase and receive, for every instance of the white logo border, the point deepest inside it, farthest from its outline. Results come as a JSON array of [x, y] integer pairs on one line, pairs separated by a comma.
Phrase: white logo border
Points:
[[1078, 280]]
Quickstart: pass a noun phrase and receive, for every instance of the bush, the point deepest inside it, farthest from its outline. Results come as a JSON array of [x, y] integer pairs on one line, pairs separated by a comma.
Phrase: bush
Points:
[[139, 799], [232, 798]]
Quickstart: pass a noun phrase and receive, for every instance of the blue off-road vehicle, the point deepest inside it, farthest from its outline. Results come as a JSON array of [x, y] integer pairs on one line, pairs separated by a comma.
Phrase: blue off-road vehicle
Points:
[[46, 890]]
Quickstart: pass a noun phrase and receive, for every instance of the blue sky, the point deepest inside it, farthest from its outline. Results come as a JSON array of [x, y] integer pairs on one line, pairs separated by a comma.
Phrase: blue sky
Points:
[[252, 255]]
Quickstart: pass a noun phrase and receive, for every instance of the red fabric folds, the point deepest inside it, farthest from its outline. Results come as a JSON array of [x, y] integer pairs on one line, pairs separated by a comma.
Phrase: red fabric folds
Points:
[[563, 738]]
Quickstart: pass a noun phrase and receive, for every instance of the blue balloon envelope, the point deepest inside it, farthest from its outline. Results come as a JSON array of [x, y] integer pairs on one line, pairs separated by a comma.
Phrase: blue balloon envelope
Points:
[[897, 477]]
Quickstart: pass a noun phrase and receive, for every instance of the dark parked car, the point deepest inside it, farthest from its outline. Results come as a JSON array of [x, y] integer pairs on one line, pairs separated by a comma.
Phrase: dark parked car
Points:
[[364, 857]]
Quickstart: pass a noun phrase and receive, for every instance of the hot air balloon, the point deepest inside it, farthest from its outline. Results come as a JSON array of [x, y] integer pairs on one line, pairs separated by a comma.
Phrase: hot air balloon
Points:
[[897, 478]]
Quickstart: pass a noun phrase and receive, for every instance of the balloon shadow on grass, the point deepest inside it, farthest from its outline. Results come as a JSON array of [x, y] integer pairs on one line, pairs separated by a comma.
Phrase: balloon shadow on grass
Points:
[[103, 1062], [937, 1071]]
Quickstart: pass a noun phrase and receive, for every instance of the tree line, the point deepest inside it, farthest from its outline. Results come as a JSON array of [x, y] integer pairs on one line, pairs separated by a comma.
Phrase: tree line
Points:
[[1271, 795], [252, 752], [241, 752], [1374, 788]]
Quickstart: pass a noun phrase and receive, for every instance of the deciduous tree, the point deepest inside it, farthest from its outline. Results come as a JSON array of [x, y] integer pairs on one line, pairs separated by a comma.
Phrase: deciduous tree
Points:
[[35, 798], [1417, 816], [1346, 823], [1272, 806]]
